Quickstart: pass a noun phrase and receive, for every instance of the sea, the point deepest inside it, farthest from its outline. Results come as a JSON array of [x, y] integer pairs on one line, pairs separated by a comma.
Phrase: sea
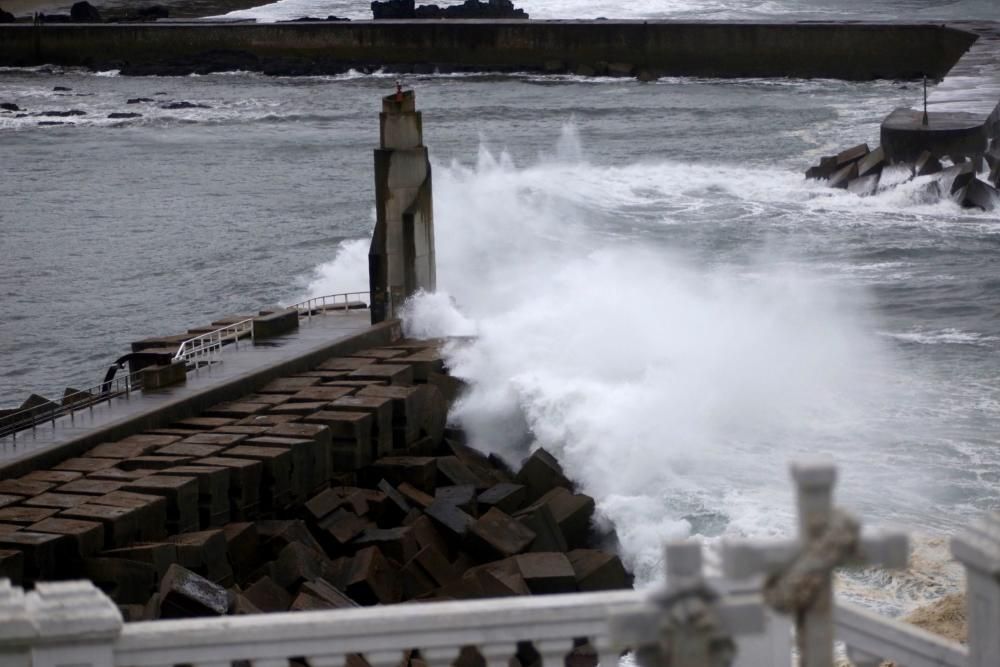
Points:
[[652, 290]]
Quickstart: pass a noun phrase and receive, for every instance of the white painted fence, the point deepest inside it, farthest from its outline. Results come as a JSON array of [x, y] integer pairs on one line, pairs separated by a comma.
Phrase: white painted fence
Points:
[[690, 622]]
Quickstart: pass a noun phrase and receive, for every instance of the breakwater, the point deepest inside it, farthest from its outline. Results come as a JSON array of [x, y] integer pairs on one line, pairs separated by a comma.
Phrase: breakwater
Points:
[[627, 48]]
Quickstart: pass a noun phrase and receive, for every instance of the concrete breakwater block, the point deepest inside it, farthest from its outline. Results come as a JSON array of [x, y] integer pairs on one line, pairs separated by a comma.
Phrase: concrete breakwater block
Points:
[[328, 511], [275, 323]]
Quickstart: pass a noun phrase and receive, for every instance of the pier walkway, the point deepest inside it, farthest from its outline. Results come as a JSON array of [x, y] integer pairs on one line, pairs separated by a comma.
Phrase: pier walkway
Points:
[[963, 109], [241, 371]]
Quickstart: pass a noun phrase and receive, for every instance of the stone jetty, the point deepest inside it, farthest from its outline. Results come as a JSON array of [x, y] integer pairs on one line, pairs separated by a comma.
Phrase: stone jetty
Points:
[[335, 486]]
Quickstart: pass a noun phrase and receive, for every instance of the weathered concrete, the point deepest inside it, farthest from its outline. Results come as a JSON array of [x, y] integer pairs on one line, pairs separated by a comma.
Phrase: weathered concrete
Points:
[[401, 260], [850, 51], [963, 110], [242, 372]]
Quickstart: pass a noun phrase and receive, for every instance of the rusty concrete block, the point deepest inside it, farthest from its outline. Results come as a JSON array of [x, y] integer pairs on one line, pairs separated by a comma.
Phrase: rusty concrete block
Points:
[[242, 545], [240, 605], [306, 602], [214, 439], [320, 393], [498, 535], [121, 525], [6, 528], [342, 526], [121, 450], [160, 556], [152, 511], [267, 420], [326, 591], [399, 544], [185, 594], [245, 483], [346, 363], [117, 475], [463, 497], [237, 429], [52, 476], [371, 580], [540, 520], [419, 471], [235, 409], [125, 581], [394, 374], [300, 409], [289, 385], [499, 579], [297, 564], [381, 411], [504, 496], [58, 500], [149, 439], [12, 566], [452, 521], [268, 596], [278, 473], [46, 555], [153, 462], [453, 472], [350, 434], [89, 487], [540, 473], [435, 565], [22, 487], [188, 449], [20, 514], [204, 552], [203, 423], [572, 511], [303, 456], [396, 506], [406, 405], [88, 536], [381, 353], [547, 572], [428, 535], [415, 496], [598, 570], [275, 535], [269, 399], [181, 494], [414, 582], [213, 492]]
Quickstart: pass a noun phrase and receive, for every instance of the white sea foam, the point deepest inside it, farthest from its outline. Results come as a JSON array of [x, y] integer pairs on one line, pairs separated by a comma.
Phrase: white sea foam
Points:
[[672, 390]]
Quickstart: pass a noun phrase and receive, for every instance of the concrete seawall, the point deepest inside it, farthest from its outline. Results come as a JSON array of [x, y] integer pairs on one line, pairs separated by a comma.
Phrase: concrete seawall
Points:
[[659, 48]]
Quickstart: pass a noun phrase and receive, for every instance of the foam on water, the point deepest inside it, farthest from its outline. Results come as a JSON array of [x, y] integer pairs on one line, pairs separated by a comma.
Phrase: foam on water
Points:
[[672, 390]]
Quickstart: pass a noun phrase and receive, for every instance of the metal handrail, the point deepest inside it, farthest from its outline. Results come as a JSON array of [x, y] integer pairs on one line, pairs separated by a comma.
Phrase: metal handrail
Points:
[[329, 302], [70, 404], [209, 343]]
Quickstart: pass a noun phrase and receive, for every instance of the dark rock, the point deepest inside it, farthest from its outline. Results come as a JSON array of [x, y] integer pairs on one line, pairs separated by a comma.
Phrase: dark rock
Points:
[[843, 176], [184, 594], [184, 105], [470, 9], [393, 9], [598, 570], [540, 473], [62, 114], [959, 176], [62, 89], [547, 572], [84, 12], [9, 106], [994, 177], [498, 535], [6, 17], [137, 100], [873, 163], [926, 164], [123, 114], [865, 186], [977, 194], [54, 18], [853, 154]]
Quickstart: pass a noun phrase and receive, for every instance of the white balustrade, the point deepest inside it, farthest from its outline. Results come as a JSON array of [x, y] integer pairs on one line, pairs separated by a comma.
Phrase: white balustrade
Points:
[[691, 622]]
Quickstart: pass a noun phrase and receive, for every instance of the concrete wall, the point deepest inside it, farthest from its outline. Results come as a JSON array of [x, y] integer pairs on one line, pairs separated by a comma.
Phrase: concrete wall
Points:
[[845, 51]]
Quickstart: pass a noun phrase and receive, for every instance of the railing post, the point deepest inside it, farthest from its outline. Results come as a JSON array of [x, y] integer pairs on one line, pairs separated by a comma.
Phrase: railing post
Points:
[[59, 624], [978, 549]]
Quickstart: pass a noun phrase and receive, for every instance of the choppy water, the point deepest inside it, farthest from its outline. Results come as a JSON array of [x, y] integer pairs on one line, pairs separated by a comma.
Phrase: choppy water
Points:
[[660, 297]]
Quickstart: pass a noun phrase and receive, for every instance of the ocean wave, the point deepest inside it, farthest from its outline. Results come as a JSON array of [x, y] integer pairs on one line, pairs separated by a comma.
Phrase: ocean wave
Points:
[[941, 337]]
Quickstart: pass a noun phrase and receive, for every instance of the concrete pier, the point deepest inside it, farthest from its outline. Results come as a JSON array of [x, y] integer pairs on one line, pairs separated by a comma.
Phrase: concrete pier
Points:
[[241, 372], [963, 110], [851, 51]]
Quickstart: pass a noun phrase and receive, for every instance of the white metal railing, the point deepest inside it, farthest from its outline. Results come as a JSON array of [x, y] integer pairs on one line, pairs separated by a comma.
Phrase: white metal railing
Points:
[[208, 346], [84, 399], [333, 302], [691, 622]]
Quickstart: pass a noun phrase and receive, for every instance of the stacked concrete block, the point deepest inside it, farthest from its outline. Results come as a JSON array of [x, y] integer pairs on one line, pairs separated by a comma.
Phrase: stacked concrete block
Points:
[[336, 487]]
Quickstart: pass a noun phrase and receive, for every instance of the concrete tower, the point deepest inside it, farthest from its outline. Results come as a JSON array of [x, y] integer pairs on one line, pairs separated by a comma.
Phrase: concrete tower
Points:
[[401, 257]]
